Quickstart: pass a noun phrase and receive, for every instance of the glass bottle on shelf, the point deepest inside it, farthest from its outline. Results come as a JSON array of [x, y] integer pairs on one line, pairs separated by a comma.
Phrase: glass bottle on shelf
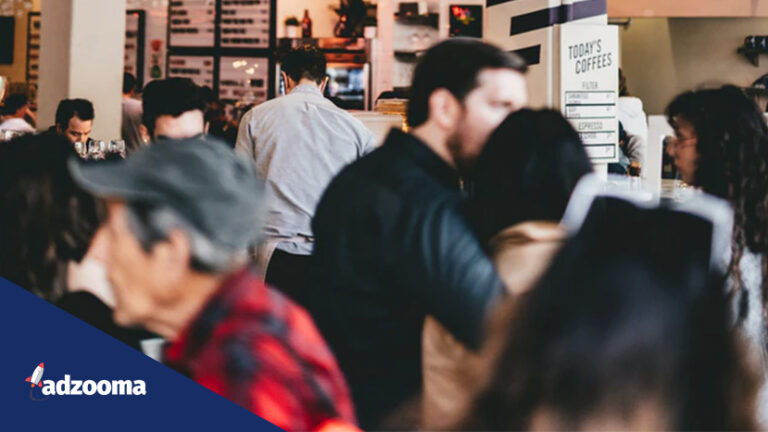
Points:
[[306, 25]]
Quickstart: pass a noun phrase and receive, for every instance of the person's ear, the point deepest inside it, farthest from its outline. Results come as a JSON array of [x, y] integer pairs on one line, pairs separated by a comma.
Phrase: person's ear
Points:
[[289, 85], [145, 134], [59, 130], [324, 84], [444, 108]]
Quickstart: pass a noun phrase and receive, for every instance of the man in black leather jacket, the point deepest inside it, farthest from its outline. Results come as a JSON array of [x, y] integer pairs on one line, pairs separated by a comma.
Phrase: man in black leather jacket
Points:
[[391, 243]]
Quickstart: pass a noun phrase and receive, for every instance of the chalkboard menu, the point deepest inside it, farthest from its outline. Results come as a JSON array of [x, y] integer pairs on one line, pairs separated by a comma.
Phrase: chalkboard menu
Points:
[[198, 69], [192, 23], [244, 78], [245, 23], [225, 44]]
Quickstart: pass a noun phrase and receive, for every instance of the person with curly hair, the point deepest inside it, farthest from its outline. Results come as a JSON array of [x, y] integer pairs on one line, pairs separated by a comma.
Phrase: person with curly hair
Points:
[[721, 146]]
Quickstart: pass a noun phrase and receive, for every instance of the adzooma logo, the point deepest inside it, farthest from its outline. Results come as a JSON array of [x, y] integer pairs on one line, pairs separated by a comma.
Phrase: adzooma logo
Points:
[[73, 387]]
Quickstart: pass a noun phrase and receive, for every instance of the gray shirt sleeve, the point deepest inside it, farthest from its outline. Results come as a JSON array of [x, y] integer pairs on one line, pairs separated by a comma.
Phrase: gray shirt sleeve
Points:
[[244, 145]]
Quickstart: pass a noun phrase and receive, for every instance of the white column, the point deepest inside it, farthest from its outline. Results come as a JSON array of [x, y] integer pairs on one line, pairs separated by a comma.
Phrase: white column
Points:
[[81, 56]]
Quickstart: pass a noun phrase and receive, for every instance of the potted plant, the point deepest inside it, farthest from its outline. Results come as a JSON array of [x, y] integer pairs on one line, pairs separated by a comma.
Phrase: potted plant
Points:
[[351, 15], [292, 25], [369, 27]]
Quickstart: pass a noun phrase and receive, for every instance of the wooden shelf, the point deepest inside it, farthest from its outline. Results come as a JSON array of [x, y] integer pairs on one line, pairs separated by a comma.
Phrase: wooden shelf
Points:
[[408, 56], [752, 54], [425, 20]]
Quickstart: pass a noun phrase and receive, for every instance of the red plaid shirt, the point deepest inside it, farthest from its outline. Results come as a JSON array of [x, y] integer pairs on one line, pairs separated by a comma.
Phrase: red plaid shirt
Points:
[[255, 347]]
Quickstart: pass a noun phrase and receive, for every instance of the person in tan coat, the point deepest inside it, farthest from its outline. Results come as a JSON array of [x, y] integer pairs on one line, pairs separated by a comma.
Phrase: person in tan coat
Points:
[[523, 183]]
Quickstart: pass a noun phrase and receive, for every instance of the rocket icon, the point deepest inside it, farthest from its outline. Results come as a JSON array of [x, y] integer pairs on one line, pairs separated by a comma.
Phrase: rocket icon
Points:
[[37, 376]]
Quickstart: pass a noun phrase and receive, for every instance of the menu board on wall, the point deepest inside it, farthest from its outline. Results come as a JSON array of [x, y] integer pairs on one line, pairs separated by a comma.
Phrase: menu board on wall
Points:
[[191, 23], [198, 69], [245, 23], [244, 78], [589, 86]]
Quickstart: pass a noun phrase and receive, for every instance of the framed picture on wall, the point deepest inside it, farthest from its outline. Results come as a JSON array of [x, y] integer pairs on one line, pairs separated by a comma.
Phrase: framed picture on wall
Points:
[[135, 28], [465, 20], [7, 32], [33, 55]]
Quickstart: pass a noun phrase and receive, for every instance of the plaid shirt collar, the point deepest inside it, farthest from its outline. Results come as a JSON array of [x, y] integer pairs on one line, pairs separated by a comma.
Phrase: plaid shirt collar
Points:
[[255, 347], [183, 351]]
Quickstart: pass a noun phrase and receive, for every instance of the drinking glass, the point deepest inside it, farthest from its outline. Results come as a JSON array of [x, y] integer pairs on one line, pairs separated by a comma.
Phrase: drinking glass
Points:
[[96, 149], [117, 147], [81, 149]]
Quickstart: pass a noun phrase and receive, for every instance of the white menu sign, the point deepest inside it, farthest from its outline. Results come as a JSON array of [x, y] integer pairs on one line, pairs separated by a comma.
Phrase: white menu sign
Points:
[[198, 69], [589, 81], [245, 23], [244, 78], [192, 23]]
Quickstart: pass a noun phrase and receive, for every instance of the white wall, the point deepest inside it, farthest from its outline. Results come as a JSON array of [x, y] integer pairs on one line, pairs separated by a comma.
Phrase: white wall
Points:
[[323, 17], [663, 57], [688, 8], [81, 56]]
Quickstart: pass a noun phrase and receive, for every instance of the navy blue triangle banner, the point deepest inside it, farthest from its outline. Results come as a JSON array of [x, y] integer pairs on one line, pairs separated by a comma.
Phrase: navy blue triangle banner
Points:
[[59, 373]]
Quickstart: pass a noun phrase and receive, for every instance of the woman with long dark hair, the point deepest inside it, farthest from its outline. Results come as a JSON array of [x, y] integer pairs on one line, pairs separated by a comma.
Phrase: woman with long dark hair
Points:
[[524, 180], [721, 146]]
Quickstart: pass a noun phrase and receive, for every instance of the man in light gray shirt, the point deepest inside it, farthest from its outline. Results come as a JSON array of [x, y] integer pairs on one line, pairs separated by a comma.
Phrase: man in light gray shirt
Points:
[[299, 142], [130, 129]]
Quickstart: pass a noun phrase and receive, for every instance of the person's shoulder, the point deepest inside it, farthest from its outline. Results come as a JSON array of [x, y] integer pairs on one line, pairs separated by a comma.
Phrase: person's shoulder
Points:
[[132, 104], [265, 108], [17, 124]]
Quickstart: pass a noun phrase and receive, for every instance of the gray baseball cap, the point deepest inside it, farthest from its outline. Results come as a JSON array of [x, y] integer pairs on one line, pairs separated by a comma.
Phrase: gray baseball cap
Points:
[[203, 181]]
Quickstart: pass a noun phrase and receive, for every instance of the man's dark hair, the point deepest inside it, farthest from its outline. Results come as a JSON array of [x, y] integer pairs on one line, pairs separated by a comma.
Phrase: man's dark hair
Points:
[[527, 172], [172, 96], [454, 65], [129, 83], [68, 108], [14, 102], [305, 62]]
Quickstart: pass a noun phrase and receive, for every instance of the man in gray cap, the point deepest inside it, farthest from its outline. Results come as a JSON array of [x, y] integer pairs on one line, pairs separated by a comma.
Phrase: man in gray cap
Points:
[[182, 216]]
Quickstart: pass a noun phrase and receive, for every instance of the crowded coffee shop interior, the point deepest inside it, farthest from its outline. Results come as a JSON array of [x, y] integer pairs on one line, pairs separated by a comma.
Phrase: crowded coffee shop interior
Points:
[[353, 215]]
